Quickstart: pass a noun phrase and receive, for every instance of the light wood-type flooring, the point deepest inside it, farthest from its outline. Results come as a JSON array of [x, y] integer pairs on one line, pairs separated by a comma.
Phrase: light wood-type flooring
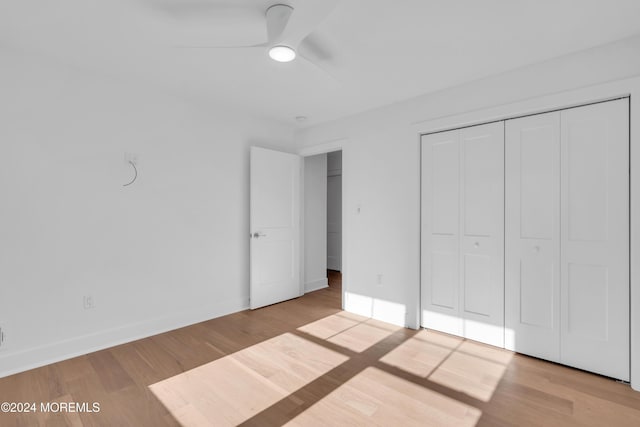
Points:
[[307, 363]]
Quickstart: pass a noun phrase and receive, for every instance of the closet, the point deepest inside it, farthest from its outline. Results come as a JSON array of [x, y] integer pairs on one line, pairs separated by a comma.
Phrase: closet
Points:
[[525, 236]]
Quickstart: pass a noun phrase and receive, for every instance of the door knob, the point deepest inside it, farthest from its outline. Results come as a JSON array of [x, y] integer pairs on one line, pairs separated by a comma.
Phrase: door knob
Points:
[[476, 245], [536, 249], [257, 235]]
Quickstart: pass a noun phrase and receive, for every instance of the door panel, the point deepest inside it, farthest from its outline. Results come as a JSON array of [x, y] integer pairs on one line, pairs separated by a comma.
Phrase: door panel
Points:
[[537, 290], [482, 232], [444, 279], [538, 143], [440, 223], [444, 186], [274, 227], [595, 238], [532, 239], [477, 279], [587, 289], [587, 172], [482, 153]]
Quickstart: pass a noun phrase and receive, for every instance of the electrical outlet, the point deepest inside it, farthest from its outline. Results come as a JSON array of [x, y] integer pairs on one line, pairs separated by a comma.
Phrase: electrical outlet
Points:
[[88, 302], [379, 279]]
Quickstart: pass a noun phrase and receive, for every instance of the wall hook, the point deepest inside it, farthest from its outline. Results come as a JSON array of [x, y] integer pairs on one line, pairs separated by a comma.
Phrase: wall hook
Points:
[[135, 176]]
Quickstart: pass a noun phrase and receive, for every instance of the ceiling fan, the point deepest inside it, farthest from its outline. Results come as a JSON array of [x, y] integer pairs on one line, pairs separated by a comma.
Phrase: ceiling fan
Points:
[[288, 33]]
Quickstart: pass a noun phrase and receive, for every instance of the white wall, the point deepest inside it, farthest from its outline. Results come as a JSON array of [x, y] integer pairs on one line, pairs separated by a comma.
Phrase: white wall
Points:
[[169, 250], [382, 169], [315, 222]]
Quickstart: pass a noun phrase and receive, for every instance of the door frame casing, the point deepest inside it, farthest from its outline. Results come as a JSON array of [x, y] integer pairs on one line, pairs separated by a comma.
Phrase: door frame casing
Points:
[[324, 148], [572, 98]]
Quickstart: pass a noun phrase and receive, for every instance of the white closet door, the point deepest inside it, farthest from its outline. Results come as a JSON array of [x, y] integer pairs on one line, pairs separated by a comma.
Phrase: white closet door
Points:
[[595, 238], [440, 232], [532, 235], [482, 232]]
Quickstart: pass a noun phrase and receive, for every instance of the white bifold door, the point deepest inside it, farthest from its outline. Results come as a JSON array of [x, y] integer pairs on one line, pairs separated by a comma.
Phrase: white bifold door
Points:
[[462, 229], [567, 237], [532, 235], [274, 227]]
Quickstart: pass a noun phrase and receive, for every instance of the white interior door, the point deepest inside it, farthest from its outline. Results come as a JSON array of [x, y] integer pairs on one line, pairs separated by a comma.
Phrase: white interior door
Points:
[[595, 238], [482, 232], [440, 232], [532, 235], [274, 227]]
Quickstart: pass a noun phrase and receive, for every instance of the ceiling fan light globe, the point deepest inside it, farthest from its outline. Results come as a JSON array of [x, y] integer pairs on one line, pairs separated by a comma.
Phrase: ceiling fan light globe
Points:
[[282, 53]]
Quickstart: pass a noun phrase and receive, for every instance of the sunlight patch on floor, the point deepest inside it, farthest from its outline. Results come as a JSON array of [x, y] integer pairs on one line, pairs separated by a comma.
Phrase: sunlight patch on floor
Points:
[[466, 366], [351, 331], [332, 325], [234, 388], [374, 397], [421, 354], [474, 369], [364, 335]]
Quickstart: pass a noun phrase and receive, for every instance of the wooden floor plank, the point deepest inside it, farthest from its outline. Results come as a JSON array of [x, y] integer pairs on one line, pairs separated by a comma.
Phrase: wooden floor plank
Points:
[[109, 370]]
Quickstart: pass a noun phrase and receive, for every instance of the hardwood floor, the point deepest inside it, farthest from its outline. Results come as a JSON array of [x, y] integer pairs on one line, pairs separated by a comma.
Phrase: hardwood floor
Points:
[[306, 362]]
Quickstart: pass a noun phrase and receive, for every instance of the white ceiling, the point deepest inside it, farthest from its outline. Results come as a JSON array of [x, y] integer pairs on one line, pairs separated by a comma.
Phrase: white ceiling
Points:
[[379, 52]]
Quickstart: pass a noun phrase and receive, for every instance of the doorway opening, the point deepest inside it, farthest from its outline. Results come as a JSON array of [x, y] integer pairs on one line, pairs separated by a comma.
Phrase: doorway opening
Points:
[[323, 223], [334, 219]]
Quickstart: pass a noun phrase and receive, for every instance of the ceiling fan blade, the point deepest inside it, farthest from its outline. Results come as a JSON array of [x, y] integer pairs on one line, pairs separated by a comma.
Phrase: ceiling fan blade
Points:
[[308, 15], [206, 23], [318, 67], [194, 46], [278, 17], [314, 49]]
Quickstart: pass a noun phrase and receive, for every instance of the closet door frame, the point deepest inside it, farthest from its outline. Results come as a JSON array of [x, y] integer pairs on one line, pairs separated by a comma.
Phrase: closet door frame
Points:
[[629, 88], [502, 104]]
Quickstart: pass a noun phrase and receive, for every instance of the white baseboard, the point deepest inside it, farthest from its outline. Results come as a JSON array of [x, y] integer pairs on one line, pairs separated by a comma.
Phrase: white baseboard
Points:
[[316, 285], [20, 361]]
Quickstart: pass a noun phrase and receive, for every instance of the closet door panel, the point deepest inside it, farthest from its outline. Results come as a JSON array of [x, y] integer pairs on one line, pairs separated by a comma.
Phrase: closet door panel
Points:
[[482, 231], [532, 239], [595, 238], [440, 232], [444, 277]]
